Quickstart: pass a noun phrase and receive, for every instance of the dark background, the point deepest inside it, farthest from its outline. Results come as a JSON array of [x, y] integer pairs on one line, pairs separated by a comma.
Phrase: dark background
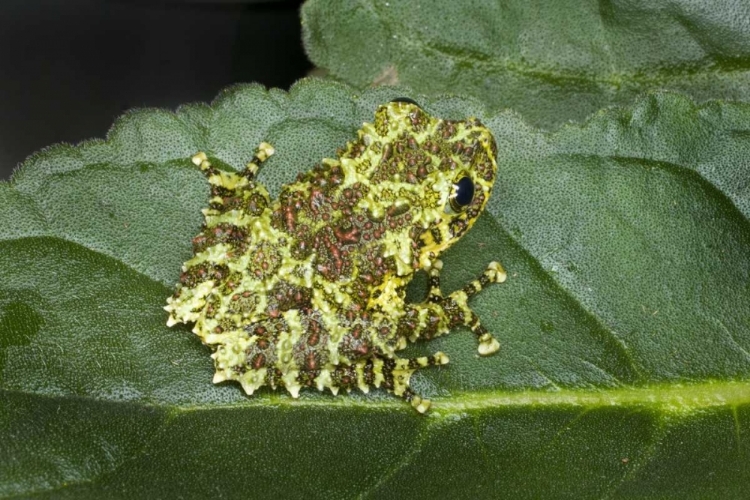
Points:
[[69, 68]]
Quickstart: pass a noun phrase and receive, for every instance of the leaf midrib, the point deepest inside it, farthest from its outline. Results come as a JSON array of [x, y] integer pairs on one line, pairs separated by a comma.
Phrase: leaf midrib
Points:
[[672, 398]]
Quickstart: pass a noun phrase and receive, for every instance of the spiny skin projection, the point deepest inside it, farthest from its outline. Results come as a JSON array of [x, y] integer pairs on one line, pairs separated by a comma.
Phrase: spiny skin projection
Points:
[[309, 290]]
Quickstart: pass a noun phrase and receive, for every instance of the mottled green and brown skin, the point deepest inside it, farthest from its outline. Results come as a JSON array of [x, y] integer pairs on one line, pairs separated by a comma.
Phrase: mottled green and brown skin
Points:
[[308, 290]]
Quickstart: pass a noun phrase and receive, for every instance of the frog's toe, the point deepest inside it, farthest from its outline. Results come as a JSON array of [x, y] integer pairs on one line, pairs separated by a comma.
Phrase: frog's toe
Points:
[[488, 345], [419, 404], [265, 150], [198, 159], [262, 153], [496, 273], [397, 372]]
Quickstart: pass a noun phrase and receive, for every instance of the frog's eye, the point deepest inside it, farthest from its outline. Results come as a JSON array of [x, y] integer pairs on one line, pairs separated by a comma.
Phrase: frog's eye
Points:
[[463, 193], [407, 100]]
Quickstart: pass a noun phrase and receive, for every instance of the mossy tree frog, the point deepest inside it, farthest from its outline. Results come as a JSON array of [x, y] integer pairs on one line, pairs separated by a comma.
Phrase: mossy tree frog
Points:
[[309, 290]]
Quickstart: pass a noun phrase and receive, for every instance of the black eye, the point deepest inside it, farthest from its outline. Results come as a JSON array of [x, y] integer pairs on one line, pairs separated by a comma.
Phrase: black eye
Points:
[[407, 100], [463, 194]]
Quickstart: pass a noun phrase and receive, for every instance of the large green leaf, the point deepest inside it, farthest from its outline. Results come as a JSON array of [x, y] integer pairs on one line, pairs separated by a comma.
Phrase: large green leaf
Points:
[[550, 61], [624, 322]]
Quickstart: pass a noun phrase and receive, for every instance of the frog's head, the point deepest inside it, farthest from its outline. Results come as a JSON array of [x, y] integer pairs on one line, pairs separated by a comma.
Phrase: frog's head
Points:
[[416, 184], [449, 165]]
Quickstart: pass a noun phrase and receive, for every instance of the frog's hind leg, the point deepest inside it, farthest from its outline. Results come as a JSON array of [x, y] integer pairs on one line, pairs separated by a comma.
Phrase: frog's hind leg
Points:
[[392, 374]]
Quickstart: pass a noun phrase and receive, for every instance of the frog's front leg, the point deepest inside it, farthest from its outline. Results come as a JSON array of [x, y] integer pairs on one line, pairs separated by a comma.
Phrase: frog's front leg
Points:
[[235, 190], [438, 314], [262, 153]]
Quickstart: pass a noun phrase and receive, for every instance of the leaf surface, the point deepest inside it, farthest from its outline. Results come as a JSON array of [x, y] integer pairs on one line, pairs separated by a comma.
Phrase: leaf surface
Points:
[[625, 326], [550, 61]]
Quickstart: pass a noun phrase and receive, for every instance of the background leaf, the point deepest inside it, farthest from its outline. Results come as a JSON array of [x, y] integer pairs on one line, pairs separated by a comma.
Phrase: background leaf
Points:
[[624, 370], [550, 61]]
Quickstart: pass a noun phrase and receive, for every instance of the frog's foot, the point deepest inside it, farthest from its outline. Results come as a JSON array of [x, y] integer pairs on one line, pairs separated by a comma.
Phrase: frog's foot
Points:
[[223, 183], [231, 180], [263, 152], [234, 190], [442, 314], [398, 371], [493, 274], [487, 343], [200, 160]]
